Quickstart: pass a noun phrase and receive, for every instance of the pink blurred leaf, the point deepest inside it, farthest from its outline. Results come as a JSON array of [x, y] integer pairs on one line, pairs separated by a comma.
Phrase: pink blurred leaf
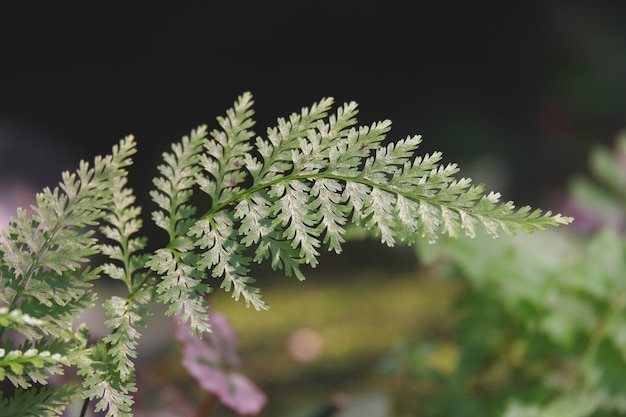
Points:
[[213, 362]]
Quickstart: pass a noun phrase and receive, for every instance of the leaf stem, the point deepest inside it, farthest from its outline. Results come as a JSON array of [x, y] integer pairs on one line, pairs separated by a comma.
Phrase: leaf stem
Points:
[[83, 411]]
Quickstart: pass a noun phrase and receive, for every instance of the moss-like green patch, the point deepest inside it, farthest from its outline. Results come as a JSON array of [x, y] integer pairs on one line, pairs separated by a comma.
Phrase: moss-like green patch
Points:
[[358, 316]]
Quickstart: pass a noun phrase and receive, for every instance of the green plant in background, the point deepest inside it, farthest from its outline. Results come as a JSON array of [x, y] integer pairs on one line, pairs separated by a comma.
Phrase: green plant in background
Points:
[[541, 326], [226, 201]]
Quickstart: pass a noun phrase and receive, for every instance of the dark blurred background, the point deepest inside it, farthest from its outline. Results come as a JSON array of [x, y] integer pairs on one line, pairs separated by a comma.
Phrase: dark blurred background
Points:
[[517, 92]]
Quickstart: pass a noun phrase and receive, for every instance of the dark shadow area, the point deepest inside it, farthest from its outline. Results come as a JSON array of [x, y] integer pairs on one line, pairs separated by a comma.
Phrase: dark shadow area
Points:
[[532, 87]]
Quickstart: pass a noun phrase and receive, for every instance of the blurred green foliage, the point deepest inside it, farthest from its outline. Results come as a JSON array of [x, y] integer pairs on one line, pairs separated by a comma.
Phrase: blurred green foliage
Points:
[[540, 328]]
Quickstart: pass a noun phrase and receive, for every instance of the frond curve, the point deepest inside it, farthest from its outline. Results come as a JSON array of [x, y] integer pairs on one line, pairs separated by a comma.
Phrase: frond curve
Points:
[[284, 196]]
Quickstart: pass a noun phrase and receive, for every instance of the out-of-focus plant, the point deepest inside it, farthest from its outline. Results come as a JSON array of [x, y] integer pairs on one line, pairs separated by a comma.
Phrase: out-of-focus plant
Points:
[[541, 326]]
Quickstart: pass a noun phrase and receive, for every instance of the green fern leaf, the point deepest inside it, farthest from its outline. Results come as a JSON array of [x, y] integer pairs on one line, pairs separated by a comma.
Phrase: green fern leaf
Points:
[[181, 285], [38, 402], [30, 363], [45, 251], [284, 197], [104, 383], [110, 369], [45, 285]]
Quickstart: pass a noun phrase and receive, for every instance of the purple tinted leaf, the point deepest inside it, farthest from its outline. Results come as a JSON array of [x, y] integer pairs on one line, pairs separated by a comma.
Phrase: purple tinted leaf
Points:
[[243, 396], [213, 362]]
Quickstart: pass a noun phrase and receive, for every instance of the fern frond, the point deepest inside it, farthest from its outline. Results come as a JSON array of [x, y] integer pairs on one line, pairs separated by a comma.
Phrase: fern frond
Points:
[[174, 186], [12, 319], [104, 383], [123, 224], [30, 363], [44, 252], [224, 155], [45, 283], [285, 196], [223, 258], [278, 149], [181, 284], [38, 402], [110, 371]]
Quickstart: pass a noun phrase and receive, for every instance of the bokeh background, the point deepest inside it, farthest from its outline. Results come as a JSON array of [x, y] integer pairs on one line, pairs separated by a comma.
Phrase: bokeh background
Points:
[[518, 93]]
